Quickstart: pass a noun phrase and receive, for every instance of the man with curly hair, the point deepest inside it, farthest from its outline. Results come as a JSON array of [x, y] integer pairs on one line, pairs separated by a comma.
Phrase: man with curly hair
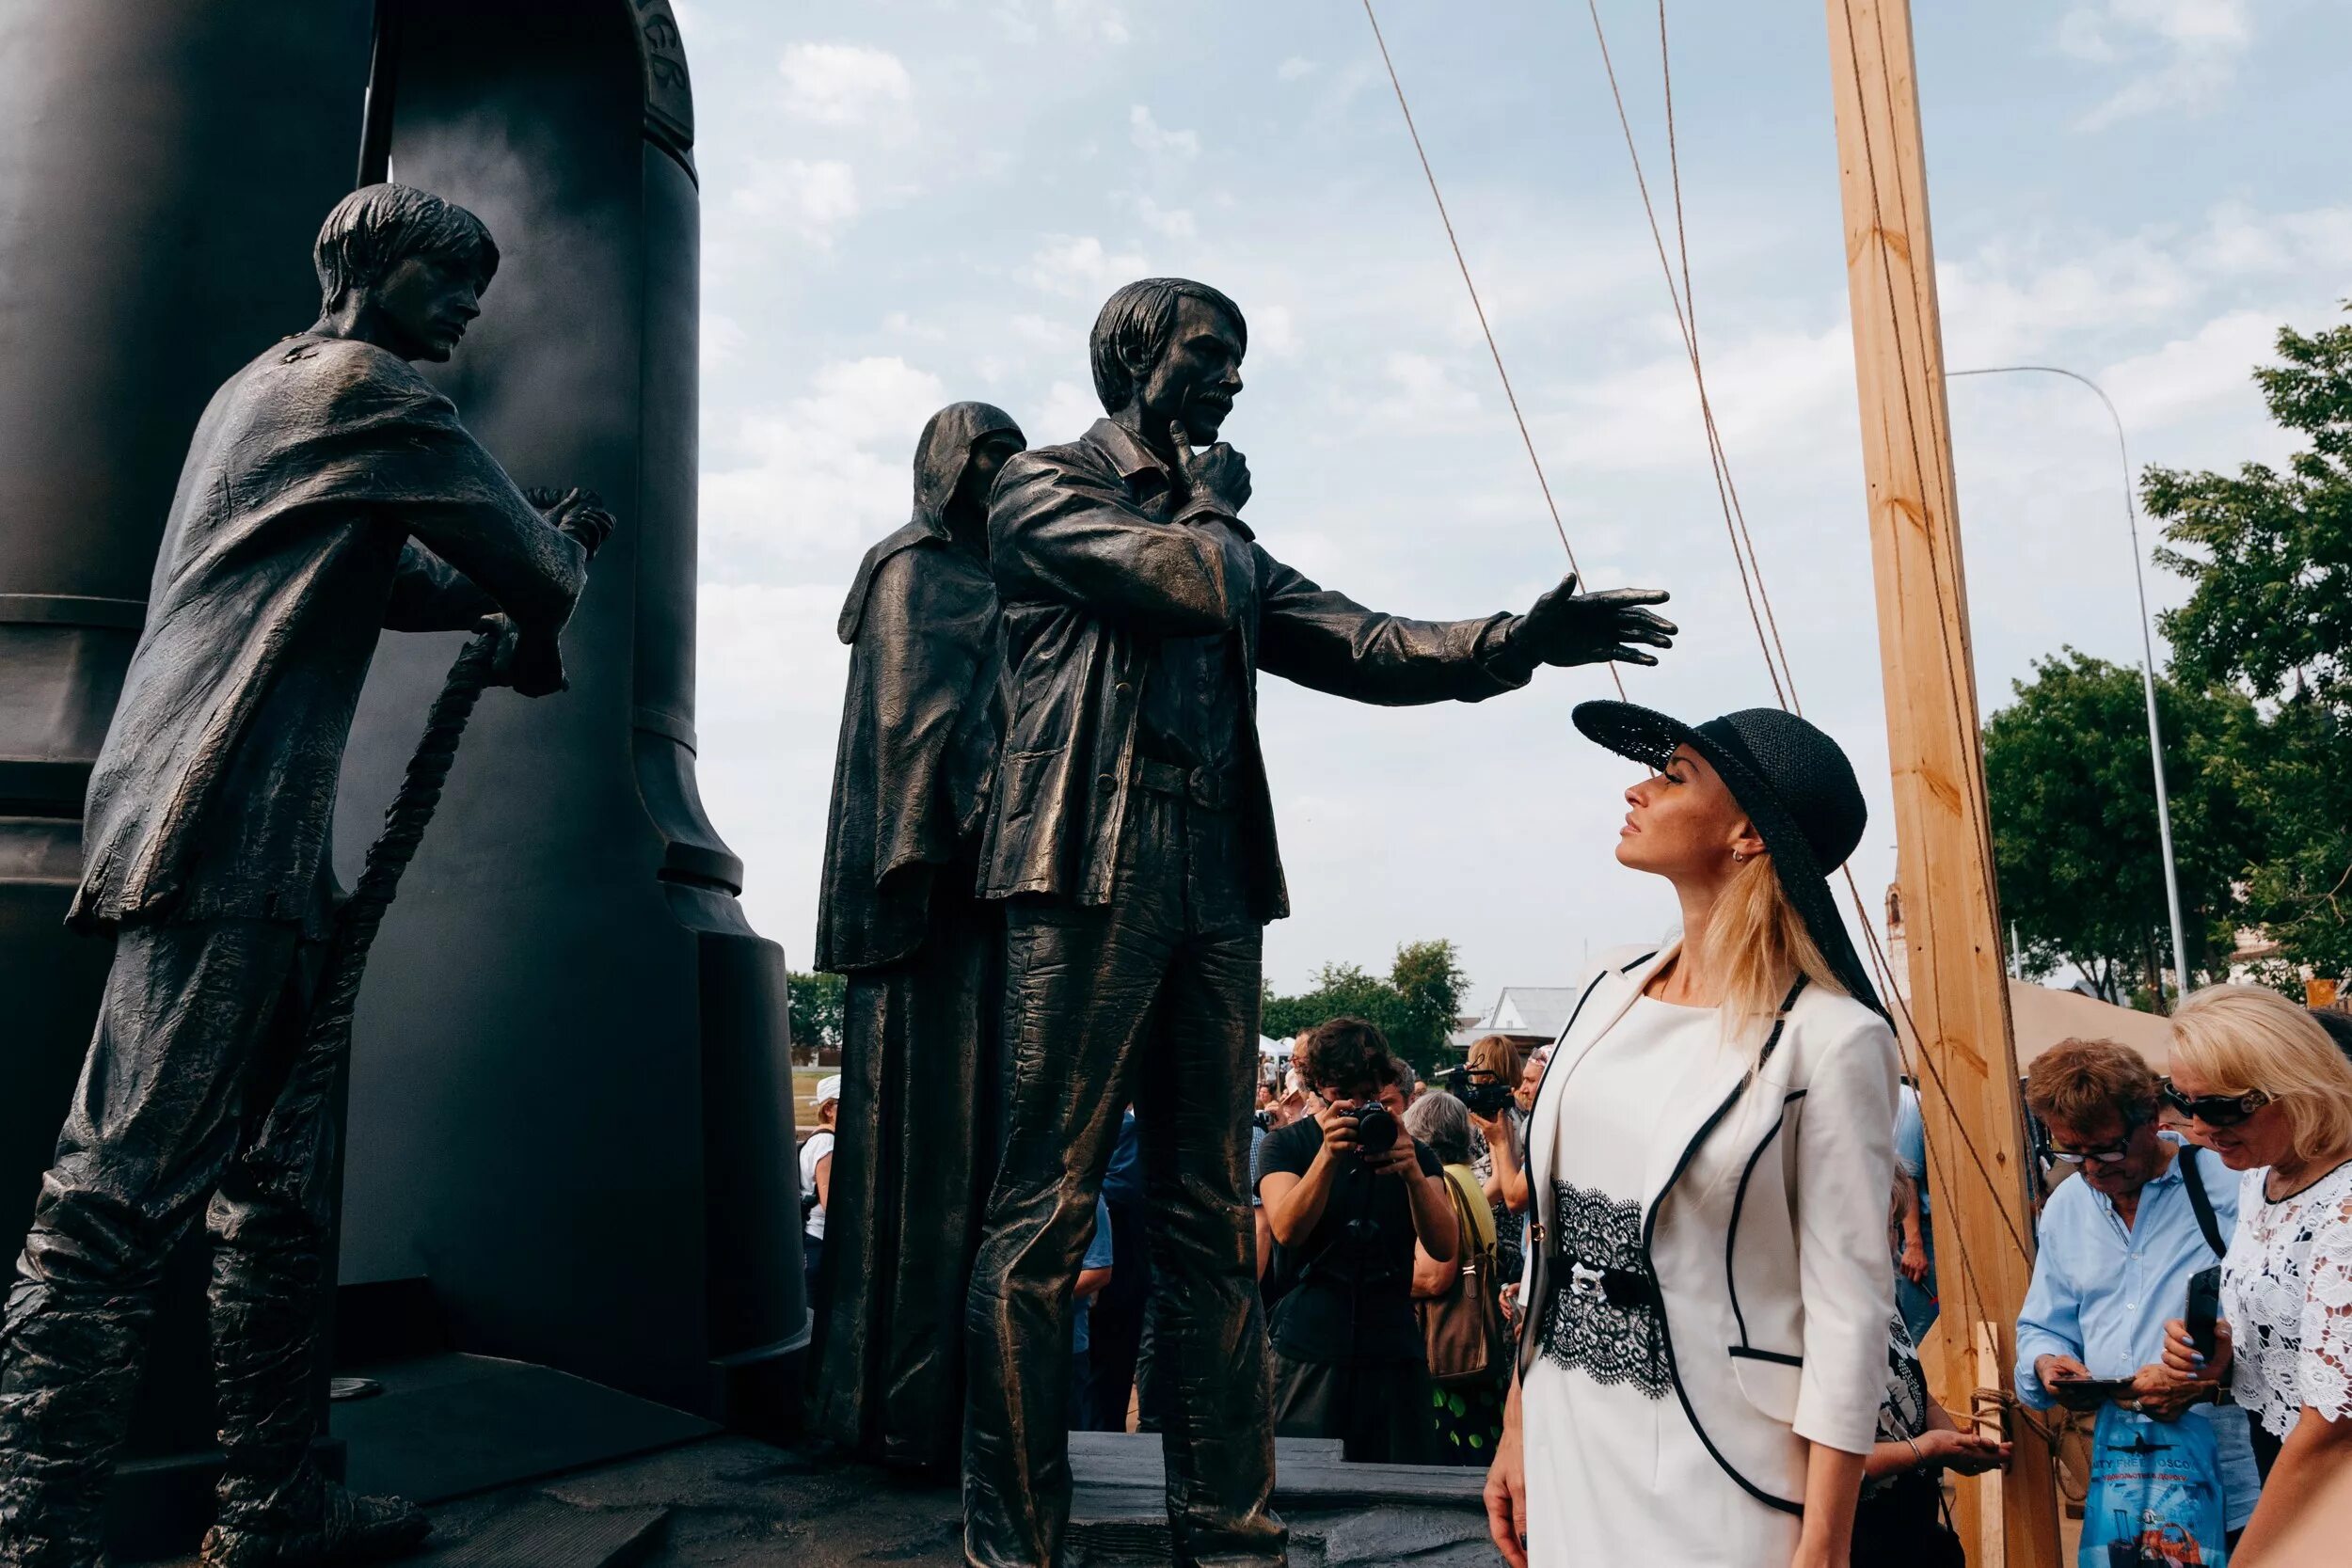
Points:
[[1351, 1200]]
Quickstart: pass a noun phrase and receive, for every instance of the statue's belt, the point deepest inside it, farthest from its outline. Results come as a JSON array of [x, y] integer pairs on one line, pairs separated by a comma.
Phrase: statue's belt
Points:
[[1209, 789]]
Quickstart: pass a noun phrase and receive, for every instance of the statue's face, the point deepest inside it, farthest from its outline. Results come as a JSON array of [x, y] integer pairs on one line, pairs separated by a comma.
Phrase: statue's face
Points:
[[1199, 375], [988, 460], [421, 308]]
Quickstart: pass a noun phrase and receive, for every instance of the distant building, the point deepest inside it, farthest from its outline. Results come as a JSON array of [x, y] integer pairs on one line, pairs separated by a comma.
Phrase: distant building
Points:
[[1527, 1016]]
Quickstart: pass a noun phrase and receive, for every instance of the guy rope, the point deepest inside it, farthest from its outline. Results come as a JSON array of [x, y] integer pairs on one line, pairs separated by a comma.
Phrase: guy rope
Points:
[[1898, 356]]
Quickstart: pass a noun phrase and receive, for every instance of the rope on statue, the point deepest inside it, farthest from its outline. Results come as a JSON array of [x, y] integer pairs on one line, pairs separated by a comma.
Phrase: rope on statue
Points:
[[326, 1033]]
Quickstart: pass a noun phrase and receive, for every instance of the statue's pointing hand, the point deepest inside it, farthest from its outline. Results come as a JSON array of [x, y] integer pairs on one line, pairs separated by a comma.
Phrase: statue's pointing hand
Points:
[[1568, 628]]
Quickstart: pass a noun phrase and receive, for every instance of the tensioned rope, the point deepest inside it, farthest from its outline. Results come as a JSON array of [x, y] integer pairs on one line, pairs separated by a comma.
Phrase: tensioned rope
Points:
[[1687, 313], [1686, 316], [1743, 548], [1476, 305]]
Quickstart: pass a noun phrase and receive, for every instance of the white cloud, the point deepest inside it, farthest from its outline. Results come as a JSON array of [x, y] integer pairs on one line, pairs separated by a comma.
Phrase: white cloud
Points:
[[845, 83], [1068, 410], [1274, 330], [1080, 267], [812, 199], [1423, 392], [1174, 223], [2181, 53], [1295, 68], [1158, 142], [817, 477], [1100, 20], [724, 341]]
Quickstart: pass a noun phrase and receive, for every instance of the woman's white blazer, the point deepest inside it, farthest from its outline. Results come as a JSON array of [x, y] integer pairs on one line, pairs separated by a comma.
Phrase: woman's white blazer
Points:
[[1776, 1325]]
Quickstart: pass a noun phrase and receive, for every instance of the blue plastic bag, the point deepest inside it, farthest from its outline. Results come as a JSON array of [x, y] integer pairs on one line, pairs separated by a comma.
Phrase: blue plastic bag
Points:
[[2156, 1494]]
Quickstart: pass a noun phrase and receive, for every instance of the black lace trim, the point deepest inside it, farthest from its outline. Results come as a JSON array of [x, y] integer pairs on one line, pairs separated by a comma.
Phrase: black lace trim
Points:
[[1581, 1328]]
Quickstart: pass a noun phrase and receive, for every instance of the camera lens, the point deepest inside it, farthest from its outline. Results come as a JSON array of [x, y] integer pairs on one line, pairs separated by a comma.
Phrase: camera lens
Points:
[[1376, 1130]]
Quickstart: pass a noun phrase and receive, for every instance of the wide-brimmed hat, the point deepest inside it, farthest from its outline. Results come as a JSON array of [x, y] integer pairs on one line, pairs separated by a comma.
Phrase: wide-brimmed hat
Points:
[[1795, 785]]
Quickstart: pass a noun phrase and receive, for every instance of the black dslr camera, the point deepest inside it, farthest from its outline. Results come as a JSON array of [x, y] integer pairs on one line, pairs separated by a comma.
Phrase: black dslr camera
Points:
[[1483, 1100], [1375, 1129]]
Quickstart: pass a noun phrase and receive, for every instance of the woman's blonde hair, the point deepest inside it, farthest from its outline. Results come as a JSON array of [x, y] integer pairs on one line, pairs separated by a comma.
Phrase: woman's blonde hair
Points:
[[2246, 1037], [1759, 944], [1496, 1054]]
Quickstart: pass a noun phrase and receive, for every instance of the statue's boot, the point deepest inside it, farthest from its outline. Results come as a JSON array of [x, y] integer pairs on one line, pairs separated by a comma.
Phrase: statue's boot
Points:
[[311, 1522], [277, 1510], [69, 1370]]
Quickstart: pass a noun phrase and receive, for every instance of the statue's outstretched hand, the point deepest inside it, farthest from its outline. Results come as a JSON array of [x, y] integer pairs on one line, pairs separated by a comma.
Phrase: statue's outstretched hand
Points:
[[531, 662], [1568, 628]]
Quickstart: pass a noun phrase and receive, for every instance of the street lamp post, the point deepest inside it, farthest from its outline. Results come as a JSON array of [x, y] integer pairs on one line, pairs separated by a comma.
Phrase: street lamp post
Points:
[[2147, 653]]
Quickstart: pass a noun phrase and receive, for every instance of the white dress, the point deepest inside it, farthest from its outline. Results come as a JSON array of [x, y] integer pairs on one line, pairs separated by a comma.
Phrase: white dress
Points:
[[1616, 1472], [2286, 1289]]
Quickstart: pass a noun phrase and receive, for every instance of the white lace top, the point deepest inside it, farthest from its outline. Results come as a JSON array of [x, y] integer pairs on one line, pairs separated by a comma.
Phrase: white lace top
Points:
[[2286, 1288]]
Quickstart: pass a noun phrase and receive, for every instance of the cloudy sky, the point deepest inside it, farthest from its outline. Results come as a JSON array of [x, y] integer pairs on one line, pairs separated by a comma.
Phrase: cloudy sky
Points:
[[907, 202]]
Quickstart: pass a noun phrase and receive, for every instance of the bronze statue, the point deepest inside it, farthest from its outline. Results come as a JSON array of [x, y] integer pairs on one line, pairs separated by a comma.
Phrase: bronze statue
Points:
[[920, 1066], [1131, 837], [328, 491]]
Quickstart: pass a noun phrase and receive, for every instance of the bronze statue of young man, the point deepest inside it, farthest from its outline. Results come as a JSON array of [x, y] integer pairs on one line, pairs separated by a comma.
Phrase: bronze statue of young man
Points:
[[1131, 836], [329, 491], [896, 913]]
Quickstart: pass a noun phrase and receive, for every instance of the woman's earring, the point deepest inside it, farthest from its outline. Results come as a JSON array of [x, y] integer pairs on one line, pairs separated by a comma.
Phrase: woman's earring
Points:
[[1738, 857]]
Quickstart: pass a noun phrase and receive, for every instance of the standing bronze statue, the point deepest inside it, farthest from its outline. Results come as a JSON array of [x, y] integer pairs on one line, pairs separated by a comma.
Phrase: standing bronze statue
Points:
[[329, 491], [897, 913], [1131, 836]]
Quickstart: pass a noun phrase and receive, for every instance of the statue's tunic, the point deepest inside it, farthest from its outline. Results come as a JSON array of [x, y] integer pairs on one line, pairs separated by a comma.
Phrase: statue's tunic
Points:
[[1131, 837], [920, 1066], [287, 550], [289, 547]]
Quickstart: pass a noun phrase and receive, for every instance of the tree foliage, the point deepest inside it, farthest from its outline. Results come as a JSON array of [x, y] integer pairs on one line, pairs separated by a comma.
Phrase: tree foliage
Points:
[[1415, 1006], [2075, 835], [815, 1000], [2268, 555]]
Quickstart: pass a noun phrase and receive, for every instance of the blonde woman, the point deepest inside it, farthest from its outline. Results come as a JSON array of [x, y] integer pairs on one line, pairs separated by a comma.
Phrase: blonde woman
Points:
[[1498, 1149], [2262, 1085], [1703, 1346]]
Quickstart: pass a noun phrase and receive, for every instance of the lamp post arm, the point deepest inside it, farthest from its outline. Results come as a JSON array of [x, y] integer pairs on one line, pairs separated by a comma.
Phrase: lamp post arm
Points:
[[2148, 653]]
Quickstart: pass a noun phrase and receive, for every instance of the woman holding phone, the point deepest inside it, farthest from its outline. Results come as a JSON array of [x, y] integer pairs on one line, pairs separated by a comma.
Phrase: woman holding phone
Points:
[[2262, 1085]]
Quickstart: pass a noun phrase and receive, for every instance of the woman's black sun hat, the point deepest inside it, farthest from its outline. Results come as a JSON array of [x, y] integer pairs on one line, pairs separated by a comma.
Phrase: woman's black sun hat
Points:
[[1795, 785]]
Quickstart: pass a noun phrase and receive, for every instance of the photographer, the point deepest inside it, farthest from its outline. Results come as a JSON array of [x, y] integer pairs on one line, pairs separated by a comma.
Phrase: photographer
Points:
[[1348, 1196], [1486, 1084]]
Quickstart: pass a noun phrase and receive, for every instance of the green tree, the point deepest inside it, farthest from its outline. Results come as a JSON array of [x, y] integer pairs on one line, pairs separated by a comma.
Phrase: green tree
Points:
[[2268, 555], [815, 1000], [1414, 1007], [2075, 838]]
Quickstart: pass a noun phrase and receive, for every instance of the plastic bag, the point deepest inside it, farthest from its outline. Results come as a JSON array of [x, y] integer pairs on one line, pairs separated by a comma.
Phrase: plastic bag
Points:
[[2155, 1493]]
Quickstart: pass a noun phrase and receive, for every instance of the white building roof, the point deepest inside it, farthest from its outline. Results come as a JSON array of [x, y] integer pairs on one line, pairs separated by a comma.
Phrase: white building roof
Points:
[[1525, 1011]]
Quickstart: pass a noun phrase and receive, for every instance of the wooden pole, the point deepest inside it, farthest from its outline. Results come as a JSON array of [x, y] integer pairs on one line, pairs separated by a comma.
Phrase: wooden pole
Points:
[[1959, 993]]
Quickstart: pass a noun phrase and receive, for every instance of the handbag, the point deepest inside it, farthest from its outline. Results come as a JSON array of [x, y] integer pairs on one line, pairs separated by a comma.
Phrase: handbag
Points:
[[2155, 1493], [1462, 1330]]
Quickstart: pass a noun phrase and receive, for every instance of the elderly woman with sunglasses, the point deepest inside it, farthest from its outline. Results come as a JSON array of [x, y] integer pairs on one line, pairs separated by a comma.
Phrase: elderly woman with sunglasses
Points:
[[2262, 1085]]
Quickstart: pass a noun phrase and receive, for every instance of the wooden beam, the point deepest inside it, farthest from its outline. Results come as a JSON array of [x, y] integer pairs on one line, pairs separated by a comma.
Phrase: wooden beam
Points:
[[1959, 996]]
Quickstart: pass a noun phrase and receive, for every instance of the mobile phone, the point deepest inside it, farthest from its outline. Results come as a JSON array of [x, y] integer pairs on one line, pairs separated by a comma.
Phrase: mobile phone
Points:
[[2089, 1393], [2204, 1307]]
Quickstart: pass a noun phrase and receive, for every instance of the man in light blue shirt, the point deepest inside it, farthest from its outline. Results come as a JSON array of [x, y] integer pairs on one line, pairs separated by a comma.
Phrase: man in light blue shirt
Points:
[[1915, 1259], [2118, 1247]]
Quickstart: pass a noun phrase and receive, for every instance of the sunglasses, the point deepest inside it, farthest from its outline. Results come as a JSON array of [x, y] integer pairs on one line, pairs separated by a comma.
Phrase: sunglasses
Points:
[[2213, 1110]]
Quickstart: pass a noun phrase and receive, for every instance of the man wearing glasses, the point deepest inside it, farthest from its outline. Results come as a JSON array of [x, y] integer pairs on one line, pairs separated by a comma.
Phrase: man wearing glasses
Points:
[[2118, 1247]]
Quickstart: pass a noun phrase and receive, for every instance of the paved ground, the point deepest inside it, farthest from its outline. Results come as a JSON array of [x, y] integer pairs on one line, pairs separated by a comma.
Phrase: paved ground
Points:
[[727, 1500]]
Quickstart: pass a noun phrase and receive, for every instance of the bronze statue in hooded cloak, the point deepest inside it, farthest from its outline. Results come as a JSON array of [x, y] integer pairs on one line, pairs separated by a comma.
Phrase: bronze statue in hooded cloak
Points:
[[897, 914]]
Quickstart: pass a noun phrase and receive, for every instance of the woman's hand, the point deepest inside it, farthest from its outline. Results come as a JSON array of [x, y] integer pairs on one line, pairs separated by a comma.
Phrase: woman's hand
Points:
[[2180, 1358], [1506, 1488], [2159, 1391], [1969, 1453], [1913, 1262]]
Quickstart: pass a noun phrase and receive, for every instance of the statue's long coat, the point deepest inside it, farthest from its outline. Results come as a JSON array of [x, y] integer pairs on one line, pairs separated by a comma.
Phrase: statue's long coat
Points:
[[918, 1123]]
